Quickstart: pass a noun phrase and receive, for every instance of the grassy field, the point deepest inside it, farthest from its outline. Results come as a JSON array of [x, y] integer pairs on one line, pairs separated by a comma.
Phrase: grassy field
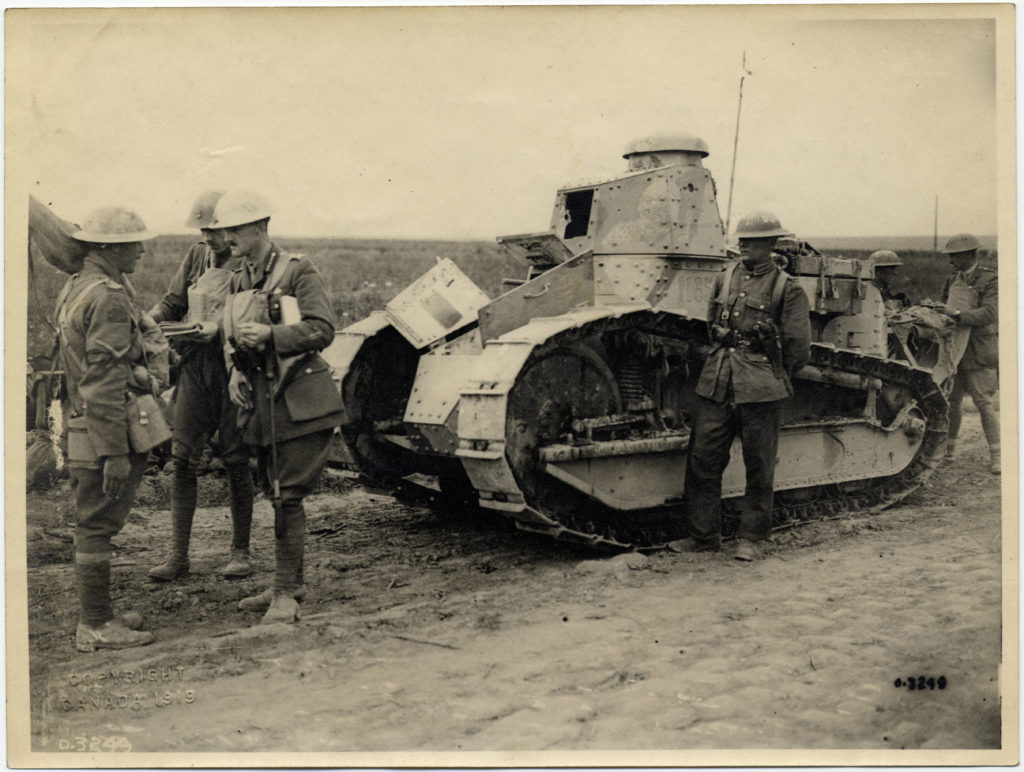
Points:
[[362, 274]]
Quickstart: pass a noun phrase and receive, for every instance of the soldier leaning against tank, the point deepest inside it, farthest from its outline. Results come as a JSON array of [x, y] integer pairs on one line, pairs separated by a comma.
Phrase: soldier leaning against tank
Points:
[[977, 374], [276, 320], [760, 335], [201, 404], [103, 355]]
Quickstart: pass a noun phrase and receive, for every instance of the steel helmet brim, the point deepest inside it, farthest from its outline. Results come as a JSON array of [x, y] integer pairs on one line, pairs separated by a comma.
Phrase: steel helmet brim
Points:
[[201, 215], [114, 238], [240, 207], [961, 242]]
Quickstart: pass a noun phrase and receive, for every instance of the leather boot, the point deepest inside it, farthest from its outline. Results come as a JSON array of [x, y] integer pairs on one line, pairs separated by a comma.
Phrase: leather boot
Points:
[[995, 461], [97, 626], [950, 449], [262, 601], [110, 635], [184, 491], [239, 565], [283, 609]]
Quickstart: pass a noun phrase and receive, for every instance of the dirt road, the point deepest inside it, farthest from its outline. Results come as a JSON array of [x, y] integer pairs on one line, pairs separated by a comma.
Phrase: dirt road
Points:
[[426, 631]]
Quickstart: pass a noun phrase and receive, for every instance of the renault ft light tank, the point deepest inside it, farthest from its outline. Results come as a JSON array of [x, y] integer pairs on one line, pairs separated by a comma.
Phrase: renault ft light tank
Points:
[[565, 403]]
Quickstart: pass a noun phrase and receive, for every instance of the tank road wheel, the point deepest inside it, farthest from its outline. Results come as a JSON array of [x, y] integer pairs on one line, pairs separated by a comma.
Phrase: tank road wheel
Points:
[[375, 393], [553, 390]]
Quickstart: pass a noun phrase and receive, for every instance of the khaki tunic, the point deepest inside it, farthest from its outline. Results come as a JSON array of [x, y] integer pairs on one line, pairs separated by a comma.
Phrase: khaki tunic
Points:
[[983, 345], [748, 369], [100, 345], [310, 400]]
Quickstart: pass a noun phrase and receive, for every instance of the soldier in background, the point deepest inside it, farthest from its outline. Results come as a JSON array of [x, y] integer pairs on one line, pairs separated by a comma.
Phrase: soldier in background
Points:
[[276, 320], [201, 404], [884, 264], [977, 374], [759, 324], [103, 357]]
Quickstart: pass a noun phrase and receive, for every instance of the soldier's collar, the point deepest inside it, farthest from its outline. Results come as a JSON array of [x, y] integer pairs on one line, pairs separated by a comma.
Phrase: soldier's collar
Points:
[[759, 270], [100, 263], [968, 273]]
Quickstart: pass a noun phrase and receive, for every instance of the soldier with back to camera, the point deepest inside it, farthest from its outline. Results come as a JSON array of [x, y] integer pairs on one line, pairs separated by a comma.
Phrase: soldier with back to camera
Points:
[[276, 320], [970, 297], [759, 325], [103, 353], [201, 404]]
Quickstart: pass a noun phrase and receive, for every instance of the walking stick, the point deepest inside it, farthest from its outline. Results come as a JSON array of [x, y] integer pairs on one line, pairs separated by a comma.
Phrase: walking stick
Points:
[[275, 476]]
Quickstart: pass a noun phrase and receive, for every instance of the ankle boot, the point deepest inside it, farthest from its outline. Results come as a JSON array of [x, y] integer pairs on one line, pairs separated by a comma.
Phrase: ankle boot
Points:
[[110, 635], [239, 565], [995, 460], [283, 608], [950, 448], [262, 601]]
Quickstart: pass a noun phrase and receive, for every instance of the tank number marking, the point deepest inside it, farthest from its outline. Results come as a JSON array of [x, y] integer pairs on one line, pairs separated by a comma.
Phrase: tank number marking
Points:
[[921, 683], [695, 288]]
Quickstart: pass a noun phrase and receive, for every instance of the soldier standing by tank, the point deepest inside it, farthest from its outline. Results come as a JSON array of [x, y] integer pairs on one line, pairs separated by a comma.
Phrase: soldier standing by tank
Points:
[[977, 373], [276, 321], [759, 324], [884, 264], [103, 357], [201, 404]]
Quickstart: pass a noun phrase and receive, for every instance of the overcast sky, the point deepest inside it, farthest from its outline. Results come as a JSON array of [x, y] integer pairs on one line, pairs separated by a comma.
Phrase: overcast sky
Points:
[[461, 123]]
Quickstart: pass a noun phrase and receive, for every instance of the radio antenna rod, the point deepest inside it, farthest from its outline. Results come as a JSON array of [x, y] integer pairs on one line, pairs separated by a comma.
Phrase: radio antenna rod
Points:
[[735, 144]]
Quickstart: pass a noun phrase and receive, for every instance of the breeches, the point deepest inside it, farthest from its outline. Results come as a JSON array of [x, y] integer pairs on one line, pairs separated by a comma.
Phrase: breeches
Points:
[[100, 517], [982, 385], [300, 462], [716, 424], [201, 408]]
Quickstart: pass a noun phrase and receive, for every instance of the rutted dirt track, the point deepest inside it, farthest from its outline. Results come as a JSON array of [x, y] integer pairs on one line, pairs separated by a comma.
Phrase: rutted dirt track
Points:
[[445, 632]]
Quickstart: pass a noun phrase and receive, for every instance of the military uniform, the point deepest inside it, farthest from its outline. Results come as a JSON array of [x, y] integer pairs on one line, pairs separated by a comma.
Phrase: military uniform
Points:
[[741, 390], [977, 373], [100, 349], [306, 401], [201, 408]]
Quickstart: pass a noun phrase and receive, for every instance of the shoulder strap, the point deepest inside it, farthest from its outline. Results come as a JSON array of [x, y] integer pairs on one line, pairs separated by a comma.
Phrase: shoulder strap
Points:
[[723, 291], [778, 290], [65, 310], [277, 274]]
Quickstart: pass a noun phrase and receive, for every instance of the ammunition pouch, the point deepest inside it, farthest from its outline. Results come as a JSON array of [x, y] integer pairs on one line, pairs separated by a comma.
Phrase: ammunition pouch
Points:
[[147, 424], [79, 449]]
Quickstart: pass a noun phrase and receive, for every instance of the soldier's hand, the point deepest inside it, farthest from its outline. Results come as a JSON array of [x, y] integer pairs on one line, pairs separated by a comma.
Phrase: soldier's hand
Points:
[[252, 334], [116, 470], [207, 331], [239, 389], [942, 308]]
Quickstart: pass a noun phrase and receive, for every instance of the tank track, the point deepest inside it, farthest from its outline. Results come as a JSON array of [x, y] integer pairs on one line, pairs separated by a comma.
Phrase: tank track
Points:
[[792, 507]]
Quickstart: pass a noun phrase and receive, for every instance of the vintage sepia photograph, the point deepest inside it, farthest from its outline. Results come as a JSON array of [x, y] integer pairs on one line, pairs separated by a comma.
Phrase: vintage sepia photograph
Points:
[[511, 386]]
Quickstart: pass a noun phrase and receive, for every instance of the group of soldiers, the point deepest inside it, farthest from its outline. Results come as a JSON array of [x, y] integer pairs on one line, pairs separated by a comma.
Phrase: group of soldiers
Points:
[[970, 296], [254, 319], [250, 375]]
